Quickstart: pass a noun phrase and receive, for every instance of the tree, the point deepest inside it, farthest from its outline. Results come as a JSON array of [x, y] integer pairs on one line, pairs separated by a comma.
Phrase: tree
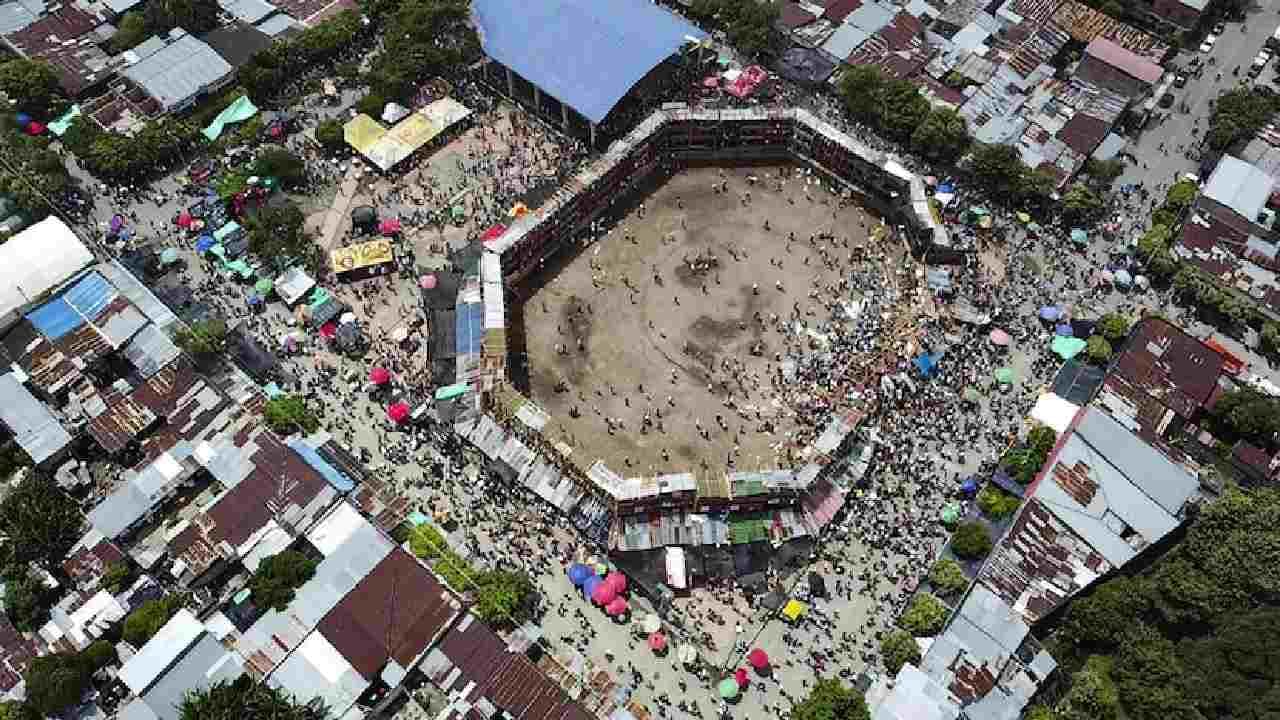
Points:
[[1235, 673], [39, 523], [195, 16], [1103, 172], [1080, 204], [897, 649], [131, 31], [946, 578], [1114, 327], [427, 542], [14, 710], [330, 136], [33, 87], [277, 235], [246, 698], [998, 168], [996, 503], [1041, 440], [861, 88], [12, 459], [925, 616], [750, 27], [1098, 350], [1098, 621], [1239, 114], [287, 414], [829, 699], [99, 654], [971, 540], [279, 163], [143, 623], [26, 599], [903, 110], [56, 682], [203, 339], [1243, 414], [273, 584], [1093, 694], [1181, 195], [943, 136], [503, 597], [1269, 338]]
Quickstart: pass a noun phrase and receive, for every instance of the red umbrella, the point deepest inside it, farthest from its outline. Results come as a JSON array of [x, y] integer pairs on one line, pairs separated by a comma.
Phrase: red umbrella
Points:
[[617, 606], [379, 376], [328, 331], [184, 219], [35, 128], [603, 594], [617, 581], [398, 412], [493, 233], [758, 658], [740, 677], [657, 642], [390, 226]]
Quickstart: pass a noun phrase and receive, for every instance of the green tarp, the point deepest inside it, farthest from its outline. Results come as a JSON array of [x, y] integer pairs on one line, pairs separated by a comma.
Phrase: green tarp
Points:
[[241, 268], [238, 111], [319, 296], [1004, 376], [1067, 347], [221, 233], [62, 124], [451, 391]]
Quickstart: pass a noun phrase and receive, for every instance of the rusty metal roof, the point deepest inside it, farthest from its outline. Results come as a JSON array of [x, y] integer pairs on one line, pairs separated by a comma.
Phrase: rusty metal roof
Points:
[[123, 421]]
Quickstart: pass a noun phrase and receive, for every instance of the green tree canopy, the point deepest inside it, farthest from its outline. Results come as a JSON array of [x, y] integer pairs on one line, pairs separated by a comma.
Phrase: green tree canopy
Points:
[[943, 136], [1244, 414], [1098, 350], [26, 599], [1081, 205], [748, 26], [39, 523], [1093, 694], [33, 87], [278, 234], [861, 88], [287, 414], [947, 578], [143, 623], [131, 31], [277, 578], [503, 597], [925, 616], [13, 710], [194, 16], [897, 649], [56, 682], [427, 543], [330, 136], [1181, 195], [1114, 327], [996, 503], [971, 540], [277, 162], [245, 699], [1239, 114], [829, 699], [203, 339], [1103, 172], [998, 168]]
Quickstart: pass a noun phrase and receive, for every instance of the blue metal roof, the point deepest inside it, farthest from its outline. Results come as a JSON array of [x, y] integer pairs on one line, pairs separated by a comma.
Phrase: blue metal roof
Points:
[[584, 53], [470, 328], [336, 478]]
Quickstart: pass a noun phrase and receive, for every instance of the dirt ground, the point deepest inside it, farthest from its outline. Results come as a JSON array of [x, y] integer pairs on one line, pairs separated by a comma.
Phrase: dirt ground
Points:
[[627, 329]]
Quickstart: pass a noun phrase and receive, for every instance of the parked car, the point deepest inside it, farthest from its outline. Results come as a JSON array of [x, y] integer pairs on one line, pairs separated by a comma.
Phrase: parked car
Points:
[[1207, 45]]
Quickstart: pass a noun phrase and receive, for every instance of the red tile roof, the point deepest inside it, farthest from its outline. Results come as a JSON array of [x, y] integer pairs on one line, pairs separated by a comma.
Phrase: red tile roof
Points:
[[1127, 61]]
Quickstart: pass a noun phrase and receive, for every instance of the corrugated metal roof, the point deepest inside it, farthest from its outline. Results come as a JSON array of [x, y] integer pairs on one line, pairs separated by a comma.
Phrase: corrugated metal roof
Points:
[[14, 17], [150, 351], [317, 670], [1161, 480], [34, 427], [609, 47], [142, 670], [1124, 60], [137, 293], [250, 11], [278, 24], [185, 67], [1240, 186], [204, 665]]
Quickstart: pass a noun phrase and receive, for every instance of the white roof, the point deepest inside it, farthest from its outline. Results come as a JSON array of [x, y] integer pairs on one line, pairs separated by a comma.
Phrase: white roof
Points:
[[915, 696], [184, 67], [143, 669], [36, 261], [1240, 186], [1054, 411], [336, 528], [36, 429]]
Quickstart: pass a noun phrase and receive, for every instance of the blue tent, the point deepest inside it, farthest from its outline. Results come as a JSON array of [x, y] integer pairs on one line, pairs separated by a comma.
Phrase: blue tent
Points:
[[969, 487], [946, 186], [254, 299], [23, 120], [204, 242], [578, 574], [1049, 312], [927, 364], [1064, 329]]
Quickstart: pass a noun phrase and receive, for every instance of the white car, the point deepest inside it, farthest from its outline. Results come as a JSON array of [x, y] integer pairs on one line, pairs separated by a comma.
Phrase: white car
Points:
[[1207, 45]]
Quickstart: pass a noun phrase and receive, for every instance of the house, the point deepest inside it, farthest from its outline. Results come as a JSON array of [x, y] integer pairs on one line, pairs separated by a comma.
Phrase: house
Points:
[[1183, 13], [1236, 194], [176, 69], [35, 262], [184, 656], [1110, 65]]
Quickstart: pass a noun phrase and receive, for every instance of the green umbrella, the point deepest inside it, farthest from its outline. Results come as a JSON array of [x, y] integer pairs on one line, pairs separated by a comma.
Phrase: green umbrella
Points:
[[728, 688], [979, 210], [1079, 236], [602, 569], [972, 395], [168, 256], [1004, 376], [950, 514], [1067, 347], [264, 286]]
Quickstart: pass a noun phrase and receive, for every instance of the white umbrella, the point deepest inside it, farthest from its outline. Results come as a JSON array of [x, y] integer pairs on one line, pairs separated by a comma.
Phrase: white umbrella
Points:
[[1124, 278], [650, 623], [347, 318], [687, 654]]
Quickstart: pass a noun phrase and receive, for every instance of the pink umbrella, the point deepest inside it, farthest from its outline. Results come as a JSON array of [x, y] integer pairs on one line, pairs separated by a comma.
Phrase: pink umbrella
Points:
[[427, 282], [379, 376], [758, 658], [390, 226], [740, 676], [616, 607], [617, 581], [328, 331], [398, 412], [1000, 337], [184, 219], [493, 233], [657, 642], [603, 594]]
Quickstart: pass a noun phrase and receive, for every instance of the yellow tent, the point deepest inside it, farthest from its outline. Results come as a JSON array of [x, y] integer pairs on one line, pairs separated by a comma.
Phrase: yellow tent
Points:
[[361, 132], [793, 610]]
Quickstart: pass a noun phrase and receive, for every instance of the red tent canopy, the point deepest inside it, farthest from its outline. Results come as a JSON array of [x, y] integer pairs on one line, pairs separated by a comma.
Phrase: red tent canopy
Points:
[[657, 642], [740, 677], [617, 581], [493, 233], [379, 376], [603, 594], [758, 658], [398, 412]]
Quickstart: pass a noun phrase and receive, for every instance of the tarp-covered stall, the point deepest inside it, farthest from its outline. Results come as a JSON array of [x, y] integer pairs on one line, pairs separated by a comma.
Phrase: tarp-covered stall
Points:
[[375, 257]]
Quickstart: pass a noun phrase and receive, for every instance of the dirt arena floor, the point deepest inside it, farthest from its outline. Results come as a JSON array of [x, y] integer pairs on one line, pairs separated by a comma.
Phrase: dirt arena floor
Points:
[[626, 328]]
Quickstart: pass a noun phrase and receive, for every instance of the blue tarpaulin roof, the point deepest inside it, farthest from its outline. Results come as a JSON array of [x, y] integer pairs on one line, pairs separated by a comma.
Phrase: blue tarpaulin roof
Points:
[[584, 53], [335, 477], [470, 328], [83, 301], [55, 318]]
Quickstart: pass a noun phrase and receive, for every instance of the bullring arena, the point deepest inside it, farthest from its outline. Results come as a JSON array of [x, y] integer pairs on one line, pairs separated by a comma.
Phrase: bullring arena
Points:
[[652, 287]]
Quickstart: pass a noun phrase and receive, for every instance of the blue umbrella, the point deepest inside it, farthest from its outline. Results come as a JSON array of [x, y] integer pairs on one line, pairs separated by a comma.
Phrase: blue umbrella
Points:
[[969, 487], [578, 574], [255, 299], [204, 242], [1064, 330], [1049, 312], [23, 120], [590, 584], [946, 187]]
